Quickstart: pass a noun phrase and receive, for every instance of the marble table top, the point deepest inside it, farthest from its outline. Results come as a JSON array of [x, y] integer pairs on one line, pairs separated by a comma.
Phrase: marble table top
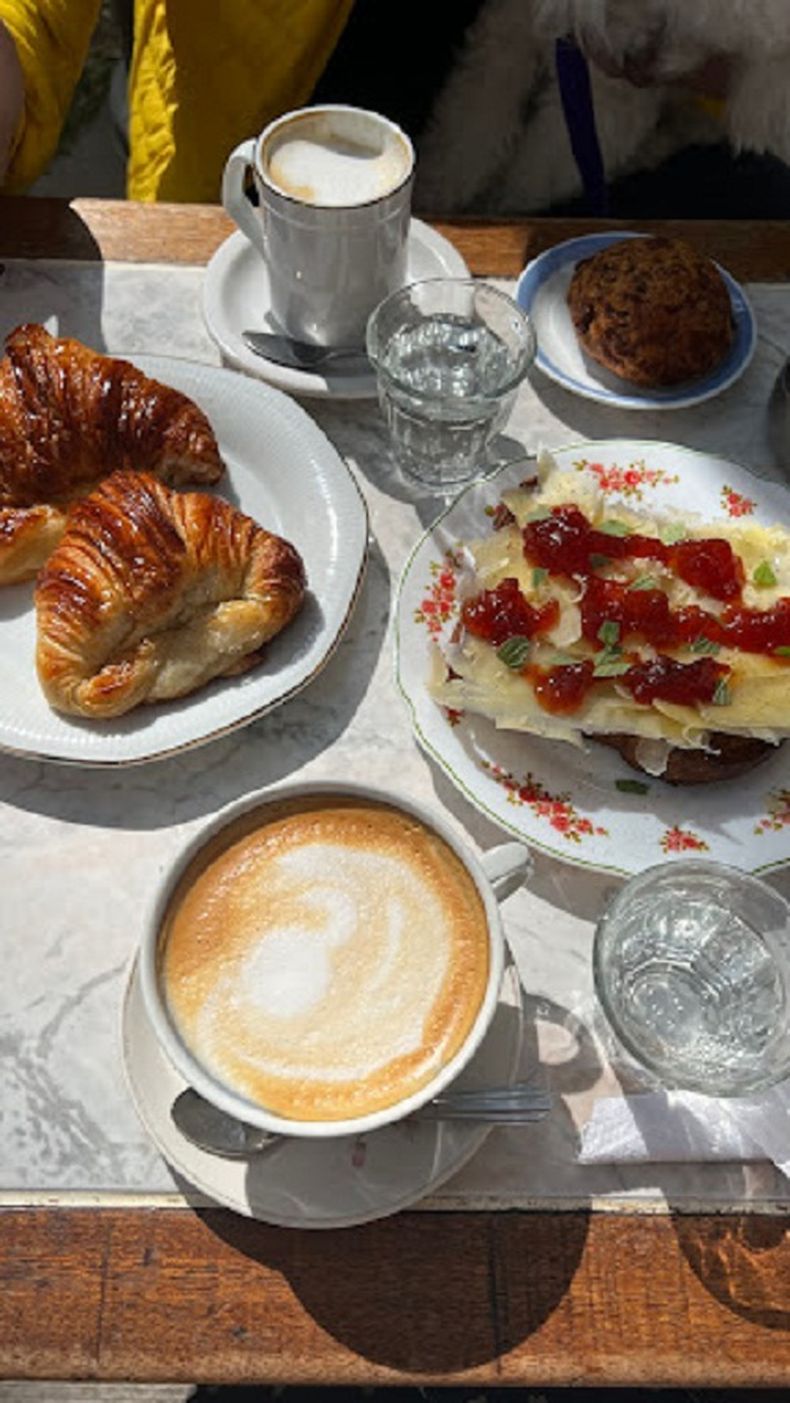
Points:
[[78, 848]]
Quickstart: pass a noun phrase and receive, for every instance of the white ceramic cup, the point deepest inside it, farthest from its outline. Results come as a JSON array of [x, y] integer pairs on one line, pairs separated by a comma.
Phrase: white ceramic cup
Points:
[[332, 229], [497, 873]]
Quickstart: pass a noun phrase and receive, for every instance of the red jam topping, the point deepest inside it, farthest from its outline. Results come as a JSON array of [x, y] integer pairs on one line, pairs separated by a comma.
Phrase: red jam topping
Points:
[[665, 679], [615, 615], [502, 613], [562, 689], [564, 543]]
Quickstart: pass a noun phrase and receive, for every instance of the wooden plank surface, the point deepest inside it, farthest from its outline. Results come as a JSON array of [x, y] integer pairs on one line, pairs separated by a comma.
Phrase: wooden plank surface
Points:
[[506, 1298], [117, 229]]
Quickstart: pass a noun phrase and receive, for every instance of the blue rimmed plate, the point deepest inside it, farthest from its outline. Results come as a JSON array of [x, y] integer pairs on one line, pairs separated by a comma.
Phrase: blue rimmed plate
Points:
[[542, 292]]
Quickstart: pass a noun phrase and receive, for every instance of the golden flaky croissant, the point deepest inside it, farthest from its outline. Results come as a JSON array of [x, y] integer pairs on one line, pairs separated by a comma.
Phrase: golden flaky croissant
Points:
[[151, 593], [68, 417]]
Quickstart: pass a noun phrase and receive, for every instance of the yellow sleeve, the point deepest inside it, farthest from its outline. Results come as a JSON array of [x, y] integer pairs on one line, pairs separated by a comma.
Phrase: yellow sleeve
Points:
[[204, 76], [52, 39]]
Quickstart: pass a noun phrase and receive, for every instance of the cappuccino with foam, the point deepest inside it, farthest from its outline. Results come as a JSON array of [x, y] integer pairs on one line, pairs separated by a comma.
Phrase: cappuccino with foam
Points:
[[325, 958], [335, 158]]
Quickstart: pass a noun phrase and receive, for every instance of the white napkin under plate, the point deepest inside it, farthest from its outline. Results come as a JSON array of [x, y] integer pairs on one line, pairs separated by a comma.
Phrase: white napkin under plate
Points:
[[662, 1127]]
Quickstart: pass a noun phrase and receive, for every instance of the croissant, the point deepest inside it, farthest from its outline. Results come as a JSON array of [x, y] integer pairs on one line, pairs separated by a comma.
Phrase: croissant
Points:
[[68, 417], [151, 593]]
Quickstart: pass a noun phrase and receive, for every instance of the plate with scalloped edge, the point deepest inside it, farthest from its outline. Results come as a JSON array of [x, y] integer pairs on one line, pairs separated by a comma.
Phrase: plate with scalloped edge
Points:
[[587, 806], [282, 471]]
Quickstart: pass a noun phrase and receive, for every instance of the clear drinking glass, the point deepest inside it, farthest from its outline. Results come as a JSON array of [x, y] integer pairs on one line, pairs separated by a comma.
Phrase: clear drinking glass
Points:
[[691, 963], [449, 354]]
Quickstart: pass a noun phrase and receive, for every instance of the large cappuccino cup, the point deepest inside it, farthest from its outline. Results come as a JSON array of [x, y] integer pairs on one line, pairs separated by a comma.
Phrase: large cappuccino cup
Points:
[[322, 960], [333, 187]]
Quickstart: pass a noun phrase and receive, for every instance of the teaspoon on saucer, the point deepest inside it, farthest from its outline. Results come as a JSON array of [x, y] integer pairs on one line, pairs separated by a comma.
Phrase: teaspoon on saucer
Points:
[[302, 355], [216, 1132]]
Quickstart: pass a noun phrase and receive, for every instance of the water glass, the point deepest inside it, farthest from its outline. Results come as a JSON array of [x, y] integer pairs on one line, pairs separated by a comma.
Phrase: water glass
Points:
[[449, 354], [691, 963]]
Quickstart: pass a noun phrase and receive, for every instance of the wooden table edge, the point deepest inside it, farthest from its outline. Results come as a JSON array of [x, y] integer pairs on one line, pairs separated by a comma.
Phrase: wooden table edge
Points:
[[174, 1294], [90, 230]]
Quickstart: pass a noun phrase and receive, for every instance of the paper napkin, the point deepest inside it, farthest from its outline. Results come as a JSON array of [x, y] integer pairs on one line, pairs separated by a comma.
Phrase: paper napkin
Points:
[[673, 1126]]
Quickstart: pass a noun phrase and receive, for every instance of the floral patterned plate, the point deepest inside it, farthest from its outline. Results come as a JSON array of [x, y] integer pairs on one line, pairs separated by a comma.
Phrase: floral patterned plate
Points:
[[587, 806]]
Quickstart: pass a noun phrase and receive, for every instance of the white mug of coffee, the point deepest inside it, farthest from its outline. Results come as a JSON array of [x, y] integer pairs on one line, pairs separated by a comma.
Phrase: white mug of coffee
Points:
[[332, 221], [325, 959]]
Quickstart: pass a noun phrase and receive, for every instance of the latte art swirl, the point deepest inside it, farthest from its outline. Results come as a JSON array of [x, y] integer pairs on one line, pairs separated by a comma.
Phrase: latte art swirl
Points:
[[328, 963]]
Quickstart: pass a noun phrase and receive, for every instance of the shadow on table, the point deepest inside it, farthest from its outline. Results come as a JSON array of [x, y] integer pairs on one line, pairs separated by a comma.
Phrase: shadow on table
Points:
[[743, 1261], [421, 1292], [66, 309]]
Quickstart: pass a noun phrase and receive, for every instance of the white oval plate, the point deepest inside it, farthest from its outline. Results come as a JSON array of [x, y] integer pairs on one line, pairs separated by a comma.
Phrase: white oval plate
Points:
[[321, 1183], [542, 291], [236, 298], [587, 806], [282, 471]]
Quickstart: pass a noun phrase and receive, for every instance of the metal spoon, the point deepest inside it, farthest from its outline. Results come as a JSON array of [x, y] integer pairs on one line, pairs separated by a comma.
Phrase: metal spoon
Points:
[[221, 1134], [302, 355]]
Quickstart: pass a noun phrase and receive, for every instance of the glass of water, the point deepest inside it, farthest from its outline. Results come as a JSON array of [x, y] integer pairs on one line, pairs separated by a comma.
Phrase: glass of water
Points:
[[449, 354], [691, 963]]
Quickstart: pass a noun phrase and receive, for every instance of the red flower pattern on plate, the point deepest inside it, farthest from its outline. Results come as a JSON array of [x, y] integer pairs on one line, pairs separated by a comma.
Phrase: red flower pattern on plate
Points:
[[453, 716], [735, 503], [556, 809], [628, 481], [778, 816], [438, 604], [682, 840]]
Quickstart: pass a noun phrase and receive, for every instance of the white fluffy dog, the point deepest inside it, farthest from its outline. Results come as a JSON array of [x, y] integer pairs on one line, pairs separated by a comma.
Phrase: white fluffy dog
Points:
[[498, 142]]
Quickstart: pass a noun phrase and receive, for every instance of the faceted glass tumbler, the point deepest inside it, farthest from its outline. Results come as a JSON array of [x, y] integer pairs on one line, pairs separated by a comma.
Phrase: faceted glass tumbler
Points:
[[449, 355], [691, 963]]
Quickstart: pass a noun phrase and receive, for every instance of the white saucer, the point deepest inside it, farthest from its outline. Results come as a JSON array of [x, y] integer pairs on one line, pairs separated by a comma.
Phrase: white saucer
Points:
[[236, 297], [320, 1183]]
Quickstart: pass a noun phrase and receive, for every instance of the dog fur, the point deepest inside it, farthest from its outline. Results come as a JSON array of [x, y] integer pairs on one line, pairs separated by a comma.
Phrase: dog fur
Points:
[[497, 140]]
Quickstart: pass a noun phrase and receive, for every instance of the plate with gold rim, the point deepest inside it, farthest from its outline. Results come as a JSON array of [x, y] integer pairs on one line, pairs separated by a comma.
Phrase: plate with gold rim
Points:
[[326, 1183], [586, 806], [281, 470]]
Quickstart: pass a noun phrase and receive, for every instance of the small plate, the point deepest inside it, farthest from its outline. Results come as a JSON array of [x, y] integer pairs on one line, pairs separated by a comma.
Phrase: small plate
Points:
[[236, 298], [542, 292], [282, 471], [320, 1183], [587, 806]]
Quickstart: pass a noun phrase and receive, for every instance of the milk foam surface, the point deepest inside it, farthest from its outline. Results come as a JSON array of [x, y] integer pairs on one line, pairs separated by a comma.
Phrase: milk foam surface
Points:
[[328, 963], [324, 166]]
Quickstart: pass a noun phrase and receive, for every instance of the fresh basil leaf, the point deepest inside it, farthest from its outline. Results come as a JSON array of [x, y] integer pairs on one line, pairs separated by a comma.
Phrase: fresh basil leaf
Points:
[[598, 561], [614, 528], [631, 786], [538, 576], [722, 695], [515, 651], [644, 582], [671, 533], [704, 645], [609, 632], [610, 666], [782, 652], [764, 576]]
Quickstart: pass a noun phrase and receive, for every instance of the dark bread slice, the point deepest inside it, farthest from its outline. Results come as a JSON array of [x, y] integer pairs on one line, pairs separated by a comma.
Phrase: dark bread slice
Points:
[[729, 757]]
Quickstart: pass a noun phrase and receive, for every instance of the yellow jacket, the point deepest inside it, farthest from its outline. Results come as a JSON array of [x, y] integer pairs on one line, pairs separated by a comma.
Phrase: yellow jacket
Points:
[[204, 75]]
